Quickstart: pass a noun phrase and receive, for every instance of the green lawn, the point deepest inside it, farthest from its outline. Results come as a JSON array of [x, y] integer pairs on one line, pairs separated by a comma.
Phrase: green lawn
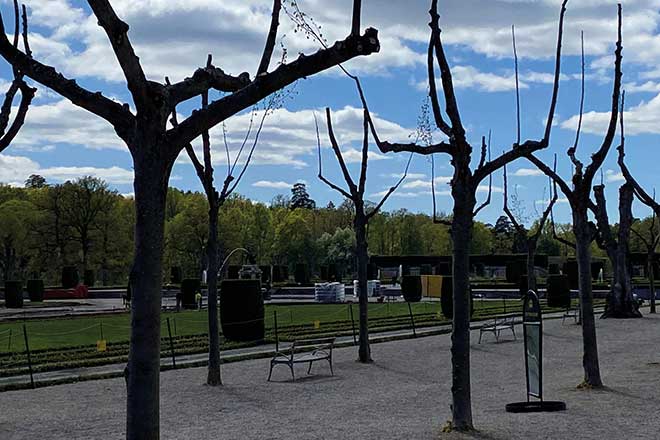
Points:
[[71, 342]]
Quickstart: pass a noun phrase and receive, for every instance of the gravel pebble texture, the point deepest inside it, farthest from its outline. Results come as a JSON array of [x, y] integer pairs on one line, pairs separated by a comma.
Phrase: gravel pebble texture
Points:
[[404, 394]]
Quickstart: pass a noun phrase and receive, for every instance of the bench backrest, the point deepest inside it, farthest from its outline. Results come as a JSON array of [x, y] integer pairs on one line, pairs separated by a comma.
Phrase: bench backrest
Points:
[[318, 344]]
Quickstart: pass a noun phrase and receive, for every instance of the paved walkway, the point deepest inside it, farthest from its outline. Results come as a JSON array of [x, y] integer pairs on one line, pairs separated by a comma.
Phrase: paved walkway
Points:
[[405, 394]]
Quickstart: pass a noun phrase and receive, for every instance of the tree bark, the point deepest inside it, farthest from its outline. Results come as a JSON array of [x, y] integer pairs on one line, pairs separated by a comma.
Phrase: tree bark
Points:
[[151, 177], [650, 259], [461, 233], [583, 238], [214, 377], [360, 225]]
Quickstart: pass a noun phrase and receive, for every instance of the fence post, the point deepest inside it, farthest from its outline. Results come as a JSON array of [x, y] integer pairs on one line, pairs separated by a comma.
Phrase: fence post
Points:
[[169, 332], [412, 321], [27, 349], [350, 308], [277, 337]]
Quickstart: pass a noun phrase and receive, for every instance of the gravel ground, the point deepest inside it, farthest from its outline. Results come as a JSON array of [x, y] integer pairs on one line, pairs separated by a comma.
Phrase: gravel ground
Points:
[[403, 395]]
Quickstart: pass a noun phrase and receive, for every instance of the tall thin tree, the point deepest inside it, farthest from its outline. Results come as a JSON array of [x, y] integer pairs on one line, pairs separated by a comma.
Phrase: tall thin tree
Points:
[[579, 198], [464, 186], [154, 146], [361, 217]]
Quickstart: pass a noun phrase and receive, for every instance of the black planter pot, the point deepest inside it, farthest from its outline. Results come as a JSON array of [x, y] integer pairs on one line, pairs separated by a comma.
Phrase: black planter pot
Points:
[[35, 289], [411, 288], [70, 277], [13, 294], [558, 291], [242, 310], [447, 298]]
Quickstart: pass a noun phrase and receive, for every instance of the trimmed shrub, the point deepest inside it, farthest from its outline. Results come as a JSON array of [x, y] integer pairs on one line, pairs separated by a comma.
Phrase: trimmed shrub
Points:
[[324, 273], [232, 272], [280, 274], [571, 271], [242, 310], [265, 274], [411, 288], [70, 277], [514, 270], [523, 286], [176, 275], [35, 289], [447, 298], [13, 294], [90, 277], [301, 274], [189, 287], [558, 291], [372, 271]]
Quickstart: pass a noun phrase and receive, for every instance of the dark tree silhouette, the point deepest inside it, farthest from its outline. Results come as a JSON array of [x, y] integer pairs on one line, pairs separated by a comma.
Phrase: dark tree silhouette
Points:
[[529, 237], [18, 84], [154, 147], [579, 199], [648, 200], [216, 199], [300, 198], [464, 186], [361, 216]]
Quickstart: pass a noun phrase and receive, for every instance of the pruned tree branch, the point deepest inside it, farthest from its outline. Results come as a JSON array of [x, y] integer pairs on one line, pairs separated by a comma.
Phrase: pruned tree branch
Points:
[[598, 158], [205, 79], [391, 190], [519, 227], [321, 177], [270, 40], [557, 237], [268, 83], [340, 157], [571, 151], [433, 93], [117, 32]]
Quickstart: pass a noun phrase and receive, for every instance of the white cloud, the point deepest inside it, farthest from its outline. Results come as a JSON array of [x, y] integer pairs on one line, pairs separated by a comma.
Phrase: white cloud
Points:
[[272, 184], [19, 168], [525, 172], [612, 176]]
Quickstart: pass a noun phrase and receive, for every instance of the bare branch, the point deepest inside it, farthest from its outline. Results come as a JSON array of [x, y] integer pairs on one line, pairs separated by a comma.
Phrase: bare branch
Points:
[[568, 192], [391, 190], [365, 153], [641, 237], [26, 42], [266, 84], [555, 86], [250, 155], [515, 64], [272, 36], [27, 94], [337, 151], [598, 157], [557, 237], [355, 23], [451, 107], [484, 151], [520, 228], [571, 151], [204, 79], [433, 93], [117, 32], [96, 103], [323, 179]]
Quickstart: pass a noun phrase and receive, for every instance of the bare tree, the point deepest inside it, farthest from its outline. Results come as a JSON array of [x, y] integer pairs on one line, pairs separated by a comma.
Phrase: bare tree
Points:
[[620, 301], [9, 132], [651, 244], [464, 186], [529, 237], [216, 200], [648, 200], [154, 147], [361, 217], [579, 199]]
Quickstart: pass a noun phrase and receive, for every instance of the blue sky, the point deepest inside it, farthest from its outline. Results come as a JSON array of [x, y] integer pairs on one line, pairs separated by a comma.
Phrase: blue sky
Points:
[[173, 37]]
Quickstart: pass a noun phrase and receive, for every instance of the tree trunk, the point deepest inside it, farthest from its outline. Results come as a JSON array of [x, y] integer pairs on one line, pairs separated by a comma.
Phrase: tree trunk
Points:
[[142, 412], [650, 258], [583, 237], [620, 301], [531, 276], [461, 232], [214, 377], [360, 225]]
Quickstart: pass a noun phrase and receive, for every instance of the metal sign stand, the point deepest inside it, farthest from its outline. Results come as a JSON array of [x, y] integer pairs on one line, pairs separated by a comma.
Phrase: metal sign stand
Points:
[[533, 337]]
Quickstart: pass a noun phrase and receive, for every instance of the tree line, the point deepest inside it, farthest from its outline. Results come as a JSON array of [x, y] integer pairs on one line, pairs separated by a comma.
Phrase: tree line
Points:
[[84, 223]]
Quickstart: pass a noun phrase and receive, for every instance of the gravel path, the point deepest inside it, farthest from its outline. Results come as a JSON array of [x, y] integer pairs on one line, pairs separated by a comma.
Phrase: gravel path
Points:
[[403, 395]]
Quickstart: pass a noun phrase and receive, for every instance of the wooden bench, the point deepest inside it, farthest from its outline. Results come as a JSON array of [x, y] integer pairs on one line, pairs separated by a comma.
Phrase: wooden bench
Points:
[[304, 351], [497, 325]]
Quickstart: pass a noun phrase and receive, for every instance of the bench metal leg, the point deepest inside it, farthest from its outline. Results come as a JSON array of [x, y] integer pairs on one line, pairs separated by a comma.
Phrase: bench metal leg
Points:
[[481, 332], [293, 375], [270, 372], [309, 369], [513, 330], [330, 362]]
